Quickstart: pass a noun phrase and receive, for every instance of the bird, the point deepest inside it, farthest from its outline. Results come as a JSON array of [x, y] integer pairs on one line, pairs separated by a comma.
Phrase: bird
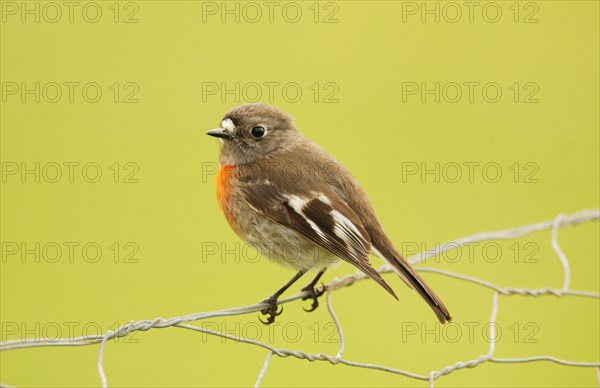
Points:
[[291, 199]]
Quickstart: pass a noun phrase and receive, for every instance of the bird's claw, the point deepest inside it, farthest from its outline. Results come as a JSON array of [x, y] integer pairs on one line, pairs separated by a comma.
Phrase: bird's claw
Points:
[[270, 310], [313, 294]]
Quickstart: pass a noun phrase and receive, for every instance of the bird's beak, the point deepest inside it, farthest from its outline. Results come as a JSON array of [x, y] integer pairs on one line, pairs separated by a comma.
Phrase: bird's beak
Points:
[[221, 133]]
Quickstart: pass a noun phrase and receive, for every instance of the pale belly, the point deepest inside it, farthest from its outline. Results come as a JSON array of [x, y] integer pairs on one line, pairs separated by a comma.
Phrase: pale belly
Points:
[[287, 247], [275, 242]]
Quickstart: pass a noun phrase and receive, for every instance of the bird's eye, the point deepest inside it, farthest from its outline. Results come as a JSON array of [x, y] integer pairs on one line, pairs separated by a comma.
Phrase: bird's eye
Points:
[[257, 132]]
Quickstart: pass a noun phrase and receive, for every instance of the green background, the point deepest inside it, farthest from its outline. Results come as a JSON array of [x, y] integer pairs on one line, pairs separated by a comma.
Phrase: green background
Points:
[[364, 53]]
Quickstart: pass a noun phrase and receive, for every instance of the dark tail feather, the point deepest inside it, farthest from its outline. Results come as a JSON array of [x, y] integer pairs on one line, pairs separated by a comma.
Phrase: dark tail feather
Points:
[[415, 281], [371, 272]]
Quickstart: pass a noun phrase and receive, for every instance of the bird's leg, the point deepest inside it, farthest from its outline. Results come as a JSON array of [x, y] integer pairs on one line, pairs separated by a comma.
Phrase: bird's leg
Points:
[[313, 293], [271, 301]]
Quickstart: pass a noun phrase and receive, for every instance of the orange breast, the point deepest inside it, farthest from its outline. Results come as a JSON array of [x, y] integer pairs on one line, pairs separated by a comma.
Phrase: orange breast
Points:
[[224, 175]]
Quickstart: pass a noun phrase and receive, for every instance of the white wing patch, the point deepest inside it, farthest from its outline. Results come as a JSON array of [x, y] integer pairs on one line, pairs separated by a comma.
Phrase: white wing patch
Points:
[[347, 231], [298, 205], [323, 198], [342, 226]]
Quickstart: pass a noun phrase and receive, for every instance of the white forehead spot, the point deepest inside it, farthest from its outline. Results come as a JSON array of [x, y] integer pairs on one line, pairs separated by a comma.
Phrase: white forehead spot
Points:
[[228, 125]]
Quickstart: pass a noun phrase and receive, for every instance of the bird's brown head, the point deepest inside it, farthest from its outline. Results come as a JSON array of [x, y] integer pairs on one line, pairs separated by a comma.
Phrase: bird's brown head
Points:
[[254, 131]]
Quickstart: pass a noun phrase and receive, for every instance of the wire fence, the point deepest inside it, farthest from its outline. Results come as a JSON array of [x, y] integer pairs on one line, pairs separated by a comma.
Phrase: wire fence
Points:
[[554, 225]]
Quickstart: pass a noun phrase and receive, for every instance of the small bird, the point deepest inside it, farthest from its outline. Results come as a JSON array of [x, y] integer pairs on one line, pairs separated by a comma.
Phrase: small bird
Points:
[[285, 195]]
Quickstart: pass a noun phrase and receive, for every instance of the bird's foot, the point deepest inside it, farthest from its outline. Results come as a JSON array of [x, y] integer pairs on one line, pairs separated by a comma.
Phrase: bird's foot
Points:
[[270, 310], [313, 294]]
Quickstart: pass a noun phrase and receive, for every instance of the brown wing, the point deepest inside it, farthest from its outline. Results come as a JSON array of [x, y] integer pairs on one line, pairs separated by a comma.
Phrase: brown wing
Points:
[[323, 218]]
